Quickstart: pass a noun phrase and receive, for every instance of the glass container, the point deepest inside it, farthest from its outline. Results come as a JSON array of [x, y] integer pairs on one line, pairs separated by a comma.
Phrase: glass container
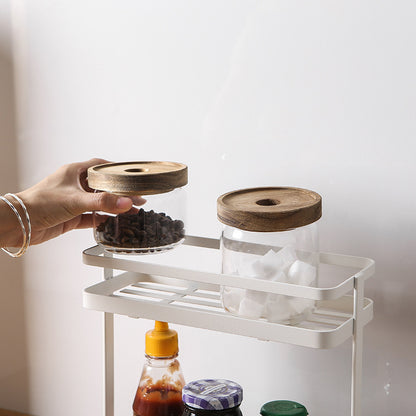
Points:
[[212, 397], [156, 221], [270, 234]]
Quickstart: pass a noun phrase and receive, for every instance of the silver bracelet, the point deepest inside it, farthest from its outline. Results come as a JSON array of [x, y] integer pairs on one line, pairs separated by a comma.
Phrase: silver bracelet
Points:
[[29, 225], [21, 251]]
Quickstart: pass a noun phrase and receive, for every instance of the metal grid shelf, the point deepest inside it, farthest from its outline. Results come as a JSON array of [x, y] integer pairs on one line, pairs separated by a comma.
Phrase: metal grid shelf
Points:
[[191, 297], [181, 295]]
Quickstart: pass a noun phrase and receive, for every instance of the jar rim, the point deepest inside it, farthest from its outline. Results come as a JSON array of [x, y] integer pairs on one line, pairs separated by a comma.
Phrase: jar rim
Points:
[[210, 412]]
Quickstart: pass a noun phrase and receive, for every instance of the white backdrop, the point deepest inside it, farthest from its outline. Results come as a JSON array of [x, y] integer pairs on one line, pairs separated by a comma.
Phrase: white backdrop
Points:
[[315, 94]]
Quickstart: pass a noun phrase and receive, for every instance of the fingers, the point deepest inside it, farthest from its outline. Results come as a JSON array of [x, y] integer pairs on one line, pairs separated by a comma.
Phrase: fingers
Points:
[[138, 200], [104, 201], [91, 162], [74, 173], [82, 168], [75, 168], [86, 221]]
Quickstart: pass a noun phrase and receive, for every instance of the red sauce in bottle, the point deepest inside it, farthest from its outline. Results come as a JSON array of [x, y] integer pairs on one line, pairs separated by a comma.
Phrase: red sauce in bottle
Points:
[[158, 400]]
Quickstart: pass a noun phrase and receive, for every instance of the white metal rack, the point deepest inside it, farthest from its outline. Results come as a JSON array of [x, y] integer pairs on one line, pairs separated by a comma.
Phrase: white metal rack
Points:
[[191, 297]]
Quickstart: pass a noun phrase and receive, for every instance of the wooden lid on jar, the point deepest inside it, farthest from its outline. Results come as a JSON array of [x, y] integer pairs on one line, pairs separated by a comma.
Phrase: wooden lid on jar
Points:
[[269, 209], [138, 178]]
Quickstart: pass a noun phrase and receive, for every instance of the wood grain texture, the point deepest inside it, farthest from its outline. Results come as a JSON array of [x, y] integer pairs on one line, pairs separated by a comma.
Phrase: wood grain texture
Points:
[[138, 178], [269, 209]]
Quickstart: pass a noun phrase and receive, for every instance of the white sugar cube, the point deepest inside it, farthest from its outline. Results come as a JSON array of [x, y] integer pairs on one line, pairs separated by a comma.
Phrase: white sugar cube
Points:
[[279, 277], [262, 268], [277, 309], [249, 308], [231, 298], [256, 296], [301, 305], [269, 260], [249, 270], [272, 262], [301, 273], [272, 297], [285, 256]]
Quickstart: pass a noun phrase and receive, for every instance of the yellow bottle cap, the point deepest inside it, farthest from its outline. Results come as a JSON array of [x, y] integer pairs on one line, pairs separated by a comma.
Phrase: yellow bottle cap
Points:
[[161, 341]]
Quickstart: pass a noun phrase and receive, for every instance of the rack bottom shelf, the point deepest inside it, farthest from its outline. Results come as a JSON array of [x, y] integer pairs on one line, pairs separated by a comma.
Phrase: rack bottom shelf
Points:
[[197, 304]]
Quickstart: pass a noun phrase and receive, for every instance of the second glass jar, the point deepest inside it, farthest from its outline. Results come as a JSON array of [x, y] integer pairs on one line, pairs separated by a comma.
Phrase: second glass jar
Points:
[[270, 234]]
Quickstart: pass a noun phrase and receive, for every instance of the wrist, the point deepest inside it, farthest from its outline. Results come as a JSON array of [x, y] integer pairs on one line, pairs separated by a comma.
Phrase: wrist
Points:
[[10, 229], [26, 197]]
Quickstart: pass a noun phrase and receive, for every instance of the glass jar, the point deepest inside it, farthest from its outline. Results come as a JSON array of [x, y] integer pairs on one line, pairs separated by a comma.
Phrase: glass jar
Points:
[[160, 388], [283, 408], [270, 234], [156, 221], [212, 397]]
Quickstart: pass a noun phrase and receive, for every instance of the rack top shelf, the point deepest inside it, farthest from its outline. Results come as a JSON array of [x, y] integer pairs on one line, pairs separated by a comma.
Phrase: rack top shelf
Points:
[[198, 260], [155, 287]]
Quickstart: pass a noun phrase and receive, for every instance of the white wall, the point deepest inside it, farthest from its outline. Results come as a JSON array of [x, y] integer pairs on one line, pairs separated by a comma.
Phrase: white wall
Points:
[[316, 94]]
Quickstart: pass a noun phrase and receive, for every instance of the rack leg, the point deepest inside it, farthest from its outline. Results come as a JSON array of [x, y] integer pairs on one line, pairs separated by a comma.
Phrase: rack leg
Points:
[[108, 353], [108, 364], [357, 348]]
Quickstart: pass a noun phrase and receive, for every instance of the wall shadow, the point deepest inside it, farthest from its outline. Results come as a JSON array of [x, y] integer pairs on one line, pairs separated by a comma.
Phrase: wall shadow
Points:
[[14, 372]]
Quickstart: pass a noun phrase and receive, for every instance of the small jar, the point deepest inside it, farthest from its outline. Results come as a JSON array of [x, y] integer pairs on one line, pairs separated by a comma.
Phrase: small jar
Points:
[[270, 234], [156, 221], [283, 408], [212, 398]]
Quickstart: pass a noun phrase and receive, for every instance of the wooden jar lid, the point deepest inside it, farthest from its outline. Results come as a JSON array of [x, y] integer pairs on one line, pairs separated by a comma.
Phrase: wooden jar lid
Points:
[[269, 209], [138, 178]]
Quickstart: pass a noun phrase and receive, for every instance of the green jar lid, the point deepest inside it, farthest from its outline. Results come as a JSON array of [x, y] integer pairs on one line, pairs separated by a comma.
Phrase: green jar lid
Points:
[[283, 408]]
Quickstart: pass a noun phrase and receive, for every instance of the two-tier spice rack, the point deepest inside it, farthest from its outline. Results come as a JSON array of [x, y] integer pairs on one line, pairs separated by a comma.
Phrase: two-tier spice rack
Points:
[[150, 288]]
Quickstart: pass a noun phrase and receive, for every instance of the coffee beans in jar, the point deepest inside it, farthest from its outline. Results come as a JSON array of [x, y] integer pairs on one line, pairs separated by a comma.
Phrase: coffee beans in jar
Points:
[[156, 221], [141, 230]]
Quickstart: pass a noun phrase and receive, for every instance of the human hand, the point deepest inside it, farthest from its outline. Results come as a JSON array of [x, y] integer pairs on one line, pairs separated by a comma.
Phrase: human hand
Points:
[[59, 204]]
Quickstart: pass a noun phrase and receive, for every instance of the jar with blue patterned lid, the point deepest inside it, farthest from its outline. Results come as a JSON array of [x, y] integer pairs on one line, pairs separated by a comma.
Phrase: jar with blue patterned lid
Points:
[[211, 397]]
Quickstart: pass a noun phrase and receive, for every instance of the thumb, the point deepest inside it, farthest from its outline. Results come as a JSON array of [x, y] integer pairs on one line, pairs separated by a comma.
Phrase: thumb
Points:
[[106, 202]]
